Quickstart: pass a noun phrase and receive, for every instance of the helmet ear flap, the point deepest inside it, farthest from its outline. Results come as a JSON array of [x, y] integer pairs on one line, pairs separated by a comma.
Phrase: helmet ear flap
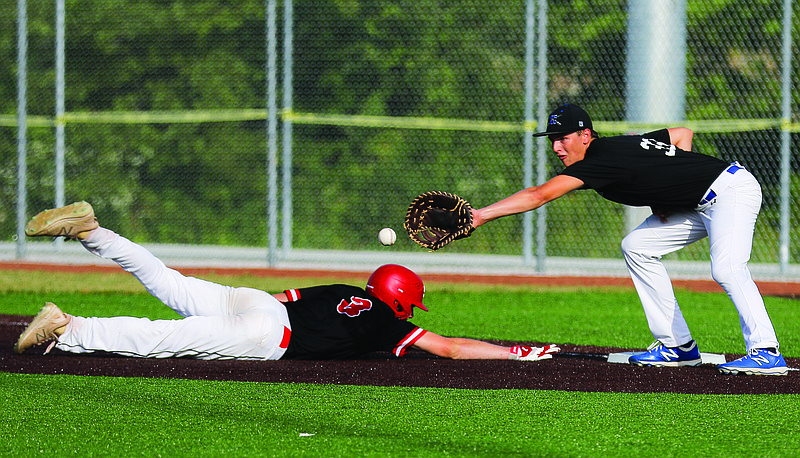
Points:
[[400, 310], [399, 288]]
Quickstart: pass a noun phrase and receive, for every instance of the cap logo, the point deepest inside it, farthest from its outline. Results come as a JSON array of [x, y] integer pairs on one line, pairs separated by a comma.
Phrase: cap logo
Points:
[[580, 123], [554, 120]]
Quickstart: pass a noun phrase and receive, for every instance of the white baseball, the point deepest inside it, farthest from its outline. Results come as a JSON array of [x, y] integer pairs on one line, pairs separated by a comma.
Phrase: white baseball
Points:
[[387, 236]]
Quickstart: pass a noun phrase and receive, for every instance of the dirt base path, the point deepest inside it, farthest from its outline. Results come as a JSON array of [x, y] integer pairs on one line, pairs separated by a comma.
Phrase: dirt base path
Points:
[[579, 369]]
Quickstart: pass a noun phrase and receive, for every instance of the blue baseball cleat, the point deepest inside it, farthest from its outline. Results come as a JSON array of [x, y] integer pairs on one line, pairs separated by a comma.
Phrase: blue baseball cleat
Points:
[[759, 361], [660, 356]]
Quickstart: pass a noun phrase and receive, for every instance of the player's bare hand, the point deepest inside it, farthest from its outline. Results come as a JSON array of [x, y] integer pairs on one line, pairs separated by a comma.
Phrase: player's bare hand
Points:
[[662, 213], [526, 353]]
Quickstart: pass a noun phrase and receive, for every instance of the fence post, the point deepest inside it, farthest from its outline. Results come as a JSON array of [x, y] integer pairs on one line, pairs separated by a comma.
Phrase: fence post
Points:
[[786, 140], [656, 70], [288, 37], [527, 180], [272, 140], [60, 140], [22, 124]]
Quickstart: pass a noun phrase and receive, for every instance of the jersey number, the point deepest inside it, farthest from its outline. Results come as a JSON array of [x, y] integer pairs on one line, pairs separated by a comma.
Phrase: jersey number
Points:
[[648, 143], [354, 307]]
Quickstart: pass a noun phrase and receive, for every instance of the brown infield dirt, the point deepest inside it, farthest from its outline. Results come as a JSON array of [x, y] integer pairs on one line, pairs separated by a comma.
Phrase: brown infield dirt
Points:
[[576, 368]]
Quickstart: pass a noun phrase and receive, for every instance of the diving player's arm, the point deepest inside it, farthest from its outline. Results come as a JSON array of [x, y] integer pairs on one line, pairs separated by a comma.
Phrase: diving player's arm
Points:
[[460, 348]]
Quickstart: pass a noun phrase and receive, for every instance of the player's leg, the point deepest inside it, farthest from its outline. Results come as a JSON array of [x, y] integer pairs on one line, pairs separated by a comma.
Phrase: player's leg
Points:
[[186, 295], [731, 224], [643, 249], [261, 330], [251, 322], [255, 336], [236, 322]]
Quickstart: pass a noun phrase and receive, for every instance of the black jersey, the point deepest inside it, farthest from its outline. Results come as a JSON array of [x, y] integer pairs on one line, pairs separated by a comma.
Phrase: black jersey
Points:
[[646, 170], [342, 321]]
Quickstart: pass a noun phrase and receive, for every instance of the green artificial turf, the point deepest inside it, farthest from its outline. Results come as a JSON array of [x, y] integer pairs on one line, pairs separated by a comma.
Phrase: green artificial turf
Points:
[[97, 416], [59, 415]]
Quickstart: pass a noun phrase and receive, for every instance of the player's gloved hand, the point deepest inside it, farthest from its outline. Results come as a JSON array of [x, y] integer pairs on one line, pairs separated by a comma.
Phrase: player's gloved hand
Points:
[[526, 353]]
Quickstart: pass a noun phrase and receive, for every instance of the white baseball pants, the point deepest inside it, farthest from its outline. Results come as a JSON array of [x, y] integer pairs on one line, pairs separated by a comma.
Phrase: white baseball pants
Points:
[[221, 322], [729, 223]]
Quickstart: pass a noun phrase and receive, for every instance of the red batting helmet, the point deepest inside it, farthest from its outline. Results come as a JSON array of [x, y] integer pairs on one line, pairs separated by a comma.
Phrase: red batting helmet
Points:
[[400, 288]]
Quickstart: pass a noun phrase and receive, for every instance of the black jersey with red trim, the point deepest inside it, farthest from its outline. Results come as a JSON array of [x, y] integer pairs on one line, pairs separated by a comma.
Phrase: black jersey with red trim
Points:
[[342, 321], [646, 170]]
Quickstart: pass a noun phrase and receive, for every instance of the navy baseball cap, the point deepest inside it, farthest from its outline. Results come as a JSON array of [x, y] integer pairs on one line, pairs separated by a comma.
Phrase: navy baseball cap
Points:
[[566, 119]]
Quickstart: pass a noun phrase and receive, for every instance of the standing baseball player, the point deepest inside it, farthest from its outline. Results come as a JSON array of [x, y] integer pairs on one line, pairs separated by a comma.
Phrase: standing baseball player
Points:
[[692, 196], [223, 322]]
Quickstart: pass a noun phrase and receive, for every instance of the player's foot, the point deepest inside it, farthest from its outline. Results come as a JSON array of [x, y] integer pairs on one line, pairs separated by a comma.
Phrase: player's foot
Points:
[[759, 361], [45, 327], [659, 355], [72, 221]]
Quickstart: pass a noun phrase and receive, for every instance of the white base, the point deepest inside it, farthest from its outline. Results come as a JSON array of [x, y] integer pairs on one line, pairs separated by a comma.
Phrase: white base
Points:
[[705, 358]]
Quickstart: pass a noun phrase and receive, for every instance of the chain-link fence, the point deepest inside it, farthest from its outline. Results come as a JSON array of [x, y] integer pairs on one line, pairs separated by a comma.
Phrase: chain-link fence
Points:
[[167, 130]]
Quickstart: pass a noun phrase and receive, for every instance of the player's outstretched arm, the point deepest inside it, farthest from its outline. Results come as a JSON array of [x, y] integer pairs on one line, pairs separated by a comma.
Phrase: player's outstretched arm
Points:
[[460, 348], [526, 200]]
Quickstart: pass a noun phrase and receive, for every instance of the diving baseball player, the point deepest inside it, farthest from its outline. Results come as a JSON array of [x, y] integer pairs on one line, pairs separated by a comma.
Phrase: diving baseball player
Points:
[[223, 322], [692, 196]]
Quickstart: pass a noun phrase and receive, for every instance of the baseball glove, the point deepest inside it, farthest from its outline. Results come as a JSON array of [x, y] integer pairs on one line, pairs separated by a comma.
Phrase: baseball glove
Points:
[[436, 218]]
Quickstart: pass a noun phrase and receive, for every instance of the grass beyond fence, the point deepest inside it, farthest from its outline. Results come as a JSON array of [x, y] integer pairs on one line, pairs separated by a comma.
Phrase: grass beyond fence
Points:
[[99, 416]]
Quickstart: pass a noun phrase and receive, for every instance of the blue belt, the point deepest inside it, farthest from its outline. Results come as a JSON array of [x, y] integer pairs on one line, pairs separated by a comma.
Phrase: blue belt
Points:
[[733, 168]]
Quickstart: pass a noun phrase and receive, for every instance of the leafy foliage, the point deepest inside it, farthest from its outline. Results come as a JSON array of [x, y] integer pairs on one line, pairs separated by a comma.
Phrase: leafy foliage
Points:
[[185, 182]]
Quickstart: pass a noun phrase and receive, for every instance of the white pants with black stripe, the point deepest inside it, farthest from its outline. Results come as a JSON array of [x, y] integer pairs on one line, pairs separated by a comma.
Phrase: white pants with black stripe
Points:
[[221, 322], [729, 223]]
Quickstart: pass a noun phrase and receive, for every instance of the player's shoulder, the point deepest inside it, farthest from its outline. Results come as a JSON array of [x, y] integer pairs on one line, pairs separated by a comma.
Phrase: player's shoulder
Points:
[[336, 287], [661, 135], [344, 287], [326, 291], [619, 143]]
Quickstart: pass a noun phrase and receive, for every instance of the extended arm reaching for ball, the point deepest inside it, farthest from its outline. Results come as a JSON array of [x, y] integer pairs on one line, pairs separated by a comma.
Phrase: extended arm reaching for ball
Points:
[[526, 200]]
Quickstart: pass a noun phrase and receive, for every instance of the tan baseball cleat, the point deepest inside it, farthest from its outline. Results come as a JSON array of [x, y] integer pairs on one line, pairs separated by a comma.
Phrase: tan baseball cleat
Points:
[[67, 221], [45, 327]]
